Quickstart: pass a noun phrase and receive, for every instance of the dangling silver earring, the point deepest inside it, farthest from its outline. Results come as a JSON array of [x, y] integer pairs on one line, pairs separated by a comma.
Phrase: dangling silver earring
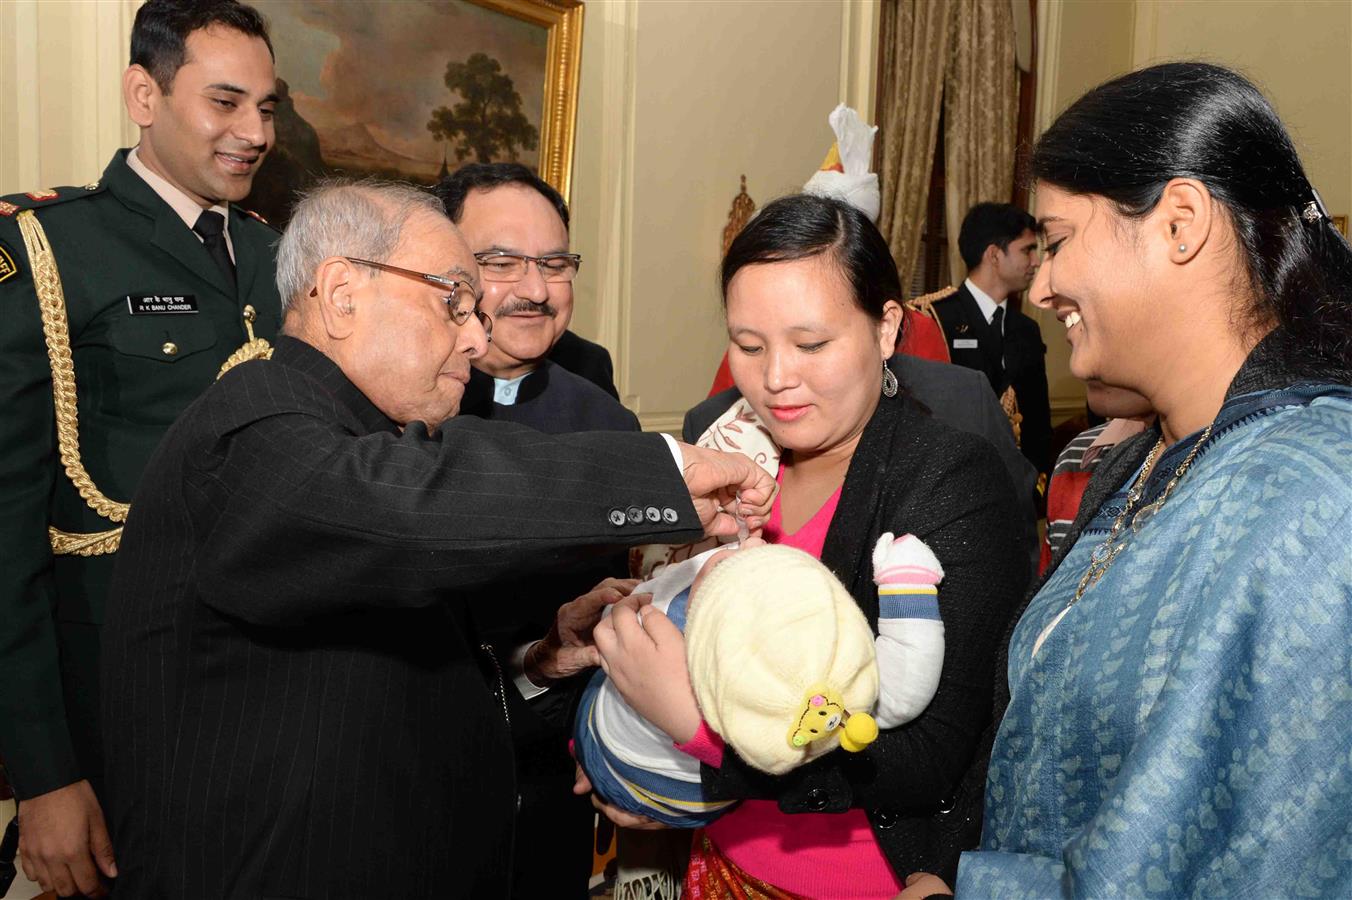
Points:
[[890, 385]]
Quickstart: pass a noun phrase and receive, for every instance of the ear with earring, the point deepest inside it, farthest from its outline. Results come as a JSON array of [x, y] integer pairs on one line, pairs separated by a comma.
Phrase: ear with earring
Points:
[[890, 385], [1173, 232]]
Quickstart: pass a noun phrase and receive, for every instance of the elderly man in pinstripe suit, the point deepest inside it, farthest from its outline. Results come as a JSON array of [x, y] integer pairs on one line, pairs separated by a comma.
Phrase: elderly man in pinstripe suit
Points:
[[295, 704]]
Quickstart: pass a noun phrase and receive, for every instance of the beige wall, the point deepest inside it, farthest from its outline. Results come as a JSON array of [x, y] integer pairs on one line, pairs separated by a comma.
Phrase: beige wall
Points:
[[1081, 43], [1084, 42], [753, 99], [679, 99], [60, 90], [1299, 52]]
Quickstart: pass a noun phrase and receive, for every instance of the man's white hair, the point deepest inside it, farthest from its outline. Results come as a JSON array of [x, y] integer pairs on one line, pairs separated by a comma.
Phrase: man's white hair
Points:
[[343, 217]]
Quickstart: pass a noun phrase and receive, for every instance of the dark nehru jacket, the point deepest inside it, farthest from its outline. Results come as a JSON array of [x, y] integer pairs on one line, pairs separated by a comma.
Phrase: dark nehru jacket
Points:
[[293, 701], [552, 399], [586, 358], [554, 832]]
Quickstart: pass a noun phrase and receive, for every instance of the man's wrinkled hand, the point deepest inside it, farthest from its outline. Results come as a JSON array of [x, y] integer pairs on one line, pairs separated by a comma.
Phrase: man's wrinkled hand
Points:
[[725, 485], [63, 842], [568, 648]]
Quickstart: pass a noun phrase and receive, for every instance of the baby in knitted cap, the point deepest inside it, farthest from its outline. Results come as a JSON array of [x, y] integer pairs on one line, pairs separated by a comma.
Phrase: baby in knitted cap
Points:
[[783, 665]]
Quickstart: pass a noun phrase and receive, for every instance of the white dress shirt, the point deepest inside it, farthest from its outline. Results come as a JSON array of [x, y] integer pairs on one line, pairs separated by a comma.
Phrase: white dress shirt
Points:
[[187, 208], [988, 306], [505, 389]]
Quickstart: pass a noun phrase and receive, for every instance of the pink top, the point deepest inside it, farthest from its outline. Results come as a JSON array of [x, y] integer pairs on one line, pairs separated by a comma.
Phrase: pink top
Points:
[[826, 855]]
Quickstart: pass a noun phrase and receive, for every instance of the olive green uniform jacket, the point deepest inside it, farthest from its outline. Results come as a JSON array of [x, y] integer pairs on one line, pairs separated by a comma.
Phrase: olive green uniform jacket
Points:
[[134, 374]]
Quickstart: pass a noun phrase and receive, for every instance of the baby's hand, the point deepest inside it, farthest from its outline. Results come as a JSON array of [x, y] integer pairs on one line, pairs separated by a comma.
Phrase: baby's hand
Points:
[[645, 661], [905, 560]]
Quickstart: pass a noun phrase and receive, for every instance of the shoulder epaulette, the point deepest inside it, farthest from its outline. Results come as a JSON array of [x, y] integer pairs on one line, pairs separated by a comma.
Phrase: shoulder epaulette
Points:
[[924, 302], [42, 198]]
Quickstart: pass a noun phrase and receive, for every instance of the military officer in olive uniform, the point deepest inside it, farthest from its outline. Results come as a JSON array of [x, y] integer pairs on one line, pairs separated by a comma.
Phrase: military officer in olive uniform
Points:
[[119, 303]]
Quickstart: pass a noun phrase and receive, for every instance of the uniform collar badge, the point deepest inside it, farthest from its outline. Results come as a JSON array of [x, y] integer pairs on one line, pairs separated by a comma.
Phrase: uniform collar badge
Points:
[[8, 269]]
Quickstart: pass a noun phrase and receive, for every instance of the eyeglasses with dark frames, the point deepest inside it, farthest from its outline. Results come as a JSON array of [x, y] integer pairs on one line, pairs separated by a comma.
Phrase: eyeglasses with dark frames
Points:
[[496, 265], [462, 302]]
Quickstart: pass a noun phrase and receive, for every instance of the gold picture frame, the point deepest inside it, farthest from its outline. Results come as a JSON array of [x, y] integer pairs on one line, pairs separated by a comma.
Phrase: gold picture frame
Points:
[[366, 93], [563, 69]]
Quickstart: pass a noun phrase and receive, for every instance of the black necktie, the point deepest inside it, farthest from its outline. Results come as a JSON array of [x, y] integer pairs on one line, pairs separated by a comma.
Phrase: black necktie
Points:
[[210, 228], [998, 331]]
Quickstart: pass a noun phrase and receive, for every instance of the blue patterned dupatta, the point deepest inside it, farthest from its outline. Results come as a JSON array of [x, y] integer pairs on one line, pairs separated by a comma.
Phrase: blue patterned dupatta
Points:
[[1186, 728]]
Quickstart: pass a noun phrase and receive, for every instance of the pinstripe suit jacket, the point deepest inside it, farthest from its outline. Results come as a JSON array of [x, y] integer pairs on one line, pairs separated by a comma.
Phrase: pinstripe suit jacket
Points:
[[293, 702]]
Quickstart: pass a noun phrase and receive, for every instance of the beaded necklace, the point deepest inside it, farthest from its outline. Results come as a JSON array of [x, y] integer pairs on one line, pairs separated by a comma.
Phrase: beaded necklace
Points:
[[1105, 553]]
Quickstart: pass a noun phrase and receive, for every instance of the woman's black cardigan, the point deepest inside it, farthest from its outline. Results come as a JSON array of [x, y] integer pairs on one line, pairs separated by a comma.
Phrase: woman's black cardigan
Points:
[[922, 784]]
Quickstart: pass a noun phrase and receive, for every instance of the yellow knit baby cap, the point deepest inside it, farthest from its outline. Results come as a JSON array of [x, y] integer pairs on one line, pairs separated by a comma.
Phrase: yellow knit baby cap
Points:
[[776, 648]]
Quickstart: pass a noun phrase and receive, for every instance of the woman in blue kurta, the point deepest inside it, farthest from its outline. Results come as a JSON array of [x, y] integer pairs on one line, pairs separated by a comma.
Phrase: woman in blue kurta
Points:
[[1180, 711]]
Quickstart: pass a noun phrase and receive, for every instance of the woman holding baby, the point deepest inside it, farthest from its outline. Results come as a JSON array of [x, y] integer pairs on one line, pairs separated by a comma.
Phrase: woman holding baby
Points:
[[812, 301]]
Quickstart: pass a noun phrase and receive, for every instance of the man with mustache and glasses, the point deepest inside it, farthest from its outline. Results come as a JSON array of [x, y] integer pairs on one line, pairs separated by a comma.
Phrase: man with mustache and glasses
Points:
[[517, 226], [121, 301]]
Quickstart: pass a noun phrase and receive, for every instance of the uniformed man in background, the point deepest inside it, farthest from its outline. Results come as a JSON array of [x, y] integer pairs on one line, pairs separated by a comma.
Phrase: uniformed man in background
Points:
[[119, 303]]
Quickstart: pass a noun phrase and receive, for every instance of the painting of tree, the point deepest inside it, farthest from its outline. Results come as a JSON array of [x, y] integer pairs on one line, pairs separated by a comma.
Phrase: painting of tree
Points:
[[371, 90], [488, 121]]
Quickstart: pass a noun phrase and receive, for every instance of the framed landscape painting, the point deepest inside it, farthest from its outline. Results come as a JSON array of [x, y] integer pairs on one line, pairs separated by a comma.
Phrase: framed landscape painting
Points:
[[412, 89]]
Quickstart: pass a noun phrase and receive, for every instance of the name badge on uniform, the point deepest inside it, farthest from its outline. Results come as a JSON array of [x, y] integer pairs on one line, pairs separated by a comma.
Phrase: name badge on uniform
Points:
[[161, 304], [965, 344]]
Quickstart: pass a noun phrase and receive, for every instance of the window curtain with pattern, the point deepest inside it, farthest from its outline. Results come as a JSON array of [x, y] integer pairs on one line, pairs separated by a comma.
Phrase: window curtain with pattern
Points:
[[981, 115], [959, 53], [914, 40]]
